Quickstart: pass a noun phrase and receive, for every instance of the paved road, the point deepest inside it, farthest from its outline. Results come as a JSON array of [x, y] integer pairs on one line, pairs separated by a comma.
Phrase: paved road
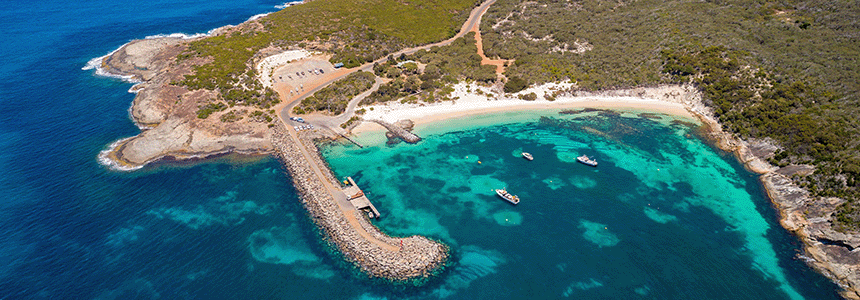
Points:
[[287, 107], [333, 123]]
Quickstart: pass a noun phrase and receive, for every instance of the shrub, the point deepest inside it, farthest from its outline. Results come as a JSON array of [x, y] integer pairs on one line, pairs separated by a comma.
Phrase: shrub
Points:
[[529, 97], [515, 84]]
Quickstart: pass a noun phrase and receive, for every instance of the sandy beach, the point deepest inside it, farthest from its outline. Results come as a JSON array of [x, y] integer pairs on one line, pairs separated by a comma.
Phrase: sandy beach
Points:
[[471, 100]]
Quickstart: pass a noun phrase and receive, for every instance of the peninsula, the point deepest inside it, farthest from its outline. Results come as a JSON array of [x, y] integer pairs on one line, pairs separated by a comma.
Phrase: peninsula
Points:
[[238, 89]]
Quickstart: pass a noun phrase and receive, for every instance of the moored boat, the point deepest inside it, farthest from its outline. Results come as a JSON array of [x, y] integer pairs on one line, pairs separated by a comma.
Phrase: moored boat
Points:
[[513, 199], [528, 156], [585, 160]]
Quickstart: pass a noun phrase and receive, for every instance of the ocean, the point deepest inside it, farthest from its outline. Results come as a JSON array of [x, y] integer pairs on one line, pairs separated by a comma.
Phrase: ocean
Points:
[[664, 215]]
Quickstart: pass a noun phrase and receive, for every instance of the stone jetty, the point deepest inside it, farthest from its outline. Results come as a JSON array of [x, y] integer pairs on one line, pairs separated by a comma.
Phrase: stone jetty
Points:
[[402, 133], [373, 252]]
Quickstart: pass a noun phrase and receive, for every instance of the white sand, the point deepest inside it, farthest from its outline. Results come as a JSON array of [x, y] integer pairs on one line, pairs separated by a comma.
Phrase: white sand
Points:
[[268, 65], [674, 100]]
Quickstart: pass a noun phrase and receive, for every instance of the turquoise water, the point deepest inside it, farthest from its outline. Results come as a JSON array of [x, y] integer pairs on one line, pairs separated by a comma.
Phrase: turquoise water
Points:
[[663, 216], [233, 228]]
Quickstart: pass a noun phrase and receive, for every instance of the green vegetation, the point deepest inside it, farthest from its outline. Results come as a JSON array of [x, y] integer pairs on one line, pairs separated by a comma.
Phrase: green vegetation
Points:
[[334, 97], [204, 111], [784, 70], [349, 122], [528, 97], [261, 116], [232, 116], [355, 31], [442, 66], [515, 84]]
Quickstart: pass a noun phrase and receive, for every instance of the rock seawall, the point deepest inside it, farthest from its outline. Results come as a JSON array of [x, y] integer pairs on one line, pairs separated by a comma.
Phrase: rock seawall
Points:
[[419, 257]]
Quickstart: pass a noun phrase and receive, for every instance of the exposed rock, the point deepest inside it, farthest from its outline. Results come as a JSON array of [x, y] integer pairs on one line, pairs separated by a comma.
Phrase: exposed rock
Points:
[[144, 58], [834, 254], [400, 132], [405, 124], [167, 114], [801, 170]]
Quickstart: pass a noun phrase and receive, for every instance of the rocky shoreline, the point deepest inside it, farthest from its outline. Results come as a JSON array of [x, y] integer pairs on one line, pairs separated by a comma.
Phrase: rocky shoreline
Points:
[[829, 252], [833, 254], [417, 258]]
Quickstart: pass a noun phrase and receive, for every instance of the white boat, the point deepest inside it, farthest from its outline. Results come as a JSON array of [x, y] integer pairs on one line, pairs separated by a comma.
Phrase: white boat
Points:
[[507, 196], [585, 160], [528, 156]]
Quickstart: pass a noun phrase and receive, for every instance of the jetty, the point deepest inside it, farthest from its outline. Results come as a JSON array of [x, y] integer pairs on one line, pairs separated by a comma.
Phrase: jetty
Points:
[[405, 135], [342, 215], [359, 199], [349, 139]]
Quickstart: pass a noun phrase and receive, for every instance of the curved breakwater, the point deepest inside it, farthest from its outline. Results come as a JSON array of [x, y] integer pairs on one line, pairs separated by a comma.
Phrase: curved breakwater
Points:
[[376, 254]]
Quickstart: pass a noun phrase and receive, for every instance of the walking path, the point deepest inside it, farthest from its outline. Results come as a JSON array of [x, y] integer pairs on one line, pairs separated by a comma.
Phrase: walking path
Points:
[[499, 63]]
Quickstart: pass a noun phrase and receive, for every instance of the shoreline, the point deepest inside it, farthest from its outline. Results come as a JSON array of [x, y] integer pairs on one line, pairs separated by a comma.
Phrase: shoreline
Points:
[[789, 200], [645, 106], [473, 104]]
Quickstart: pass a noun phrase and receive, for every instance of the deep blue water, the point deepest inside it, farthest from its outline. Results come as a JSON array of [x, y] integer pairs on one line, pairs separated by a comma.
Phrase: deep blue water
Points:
[[232, 227]]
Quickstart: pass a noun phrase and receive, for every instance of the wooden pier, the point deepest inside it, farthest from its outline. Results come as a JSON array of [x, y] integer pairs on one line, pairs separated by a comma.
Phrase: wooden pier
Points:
[[358, 199], [351, 140]]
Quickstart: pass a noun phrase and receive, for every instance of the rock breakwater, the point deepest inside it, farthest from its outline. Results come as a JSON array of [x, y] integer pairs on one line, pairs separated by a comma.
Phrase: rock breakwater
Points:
[[361, 243]]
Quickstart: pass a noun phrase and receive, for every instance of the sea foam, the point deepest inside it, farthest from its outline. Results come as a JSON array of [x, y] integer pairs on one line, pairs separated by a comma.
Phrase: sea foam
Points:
[[104, 158], [96, 63], [288, 4]]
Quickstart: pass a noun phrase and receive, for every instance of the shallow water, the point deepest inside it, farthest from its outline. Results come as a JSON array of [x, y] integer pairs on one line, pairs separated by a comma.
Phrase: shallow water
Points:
[[233, 228], [664, 215]]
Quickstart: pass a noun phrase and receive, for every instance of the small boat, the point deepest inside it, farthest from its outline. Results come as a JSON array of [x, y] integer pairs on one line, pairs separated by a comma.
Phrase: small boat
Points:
[[507, 196], [585, 160], [528, 156]]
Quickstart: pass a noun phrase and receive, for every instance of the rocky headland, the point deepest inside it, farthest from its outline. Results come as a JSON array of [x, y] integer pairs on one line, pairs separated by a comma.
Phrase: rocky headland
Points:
[[166, 112]]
